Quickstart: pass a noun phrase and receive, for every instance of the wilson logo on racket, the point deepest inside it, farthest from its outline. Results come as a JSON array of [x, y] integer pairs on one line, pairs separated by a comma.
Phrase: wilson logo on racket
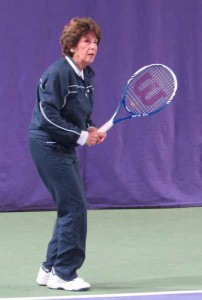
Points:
[[148, 89], [147, 92]]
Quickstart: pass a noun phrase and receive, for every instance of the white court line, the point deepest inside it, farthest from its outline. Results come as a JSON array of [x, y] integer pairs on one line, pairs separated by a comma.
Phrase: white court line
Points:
[[108, 295]]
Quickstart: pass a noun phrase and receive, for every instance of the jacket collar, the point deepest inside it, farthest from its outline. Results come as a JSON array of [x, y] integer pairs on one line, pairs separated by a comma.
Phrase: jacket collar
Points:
[[74, 67], [87, 71]]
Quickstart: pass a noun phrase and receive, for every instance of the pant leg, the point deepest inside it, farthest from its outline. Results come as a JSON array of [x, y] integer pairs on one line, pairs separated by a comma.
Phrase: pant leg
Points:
[[59, 172], [52, 249]]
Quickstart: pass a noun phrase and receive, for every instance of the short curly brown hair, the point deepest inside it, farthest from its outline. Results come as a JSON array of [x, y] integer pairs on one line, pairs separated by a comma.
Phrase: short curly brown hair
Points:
[[74, 30]]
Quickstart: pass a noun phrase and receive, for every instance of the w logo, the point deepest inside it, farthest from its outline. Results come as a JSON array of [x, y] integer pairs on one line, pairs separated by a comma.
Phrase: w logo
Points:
[[148, 89]]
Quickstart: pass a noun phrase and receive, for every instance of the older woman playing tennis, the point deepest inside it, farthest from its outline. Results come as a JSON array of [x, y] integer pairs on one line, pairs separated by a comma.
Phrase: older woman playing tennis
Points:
[[61, 121]]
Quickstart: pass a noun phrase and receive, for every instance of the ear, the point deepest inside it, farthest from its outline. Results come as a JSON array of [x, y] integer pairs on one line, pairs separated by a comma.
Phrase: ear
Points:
[[72, 50]]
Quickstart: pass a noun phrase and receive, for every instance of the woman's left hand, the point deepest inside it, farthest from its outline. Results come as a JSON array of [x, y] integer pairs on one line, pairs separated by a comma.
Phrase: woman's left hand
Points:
[[100, 135]]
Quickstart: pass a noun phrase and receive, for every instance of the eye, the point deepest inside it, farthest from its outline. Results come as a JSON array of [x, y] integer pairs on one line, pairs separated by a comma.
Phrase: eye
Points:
[[87, 40]]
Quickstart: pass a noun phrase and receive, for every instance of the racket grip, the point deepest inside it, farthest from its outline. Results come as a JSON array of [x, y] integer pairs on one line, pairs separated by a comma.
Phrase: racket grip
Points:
[[104, 128]]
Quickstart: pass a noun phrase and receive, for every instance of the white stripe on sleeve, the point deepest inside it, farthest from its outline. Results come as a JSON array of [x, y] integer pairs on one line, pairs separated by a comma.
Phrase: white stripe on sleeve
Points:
[[44, 115]]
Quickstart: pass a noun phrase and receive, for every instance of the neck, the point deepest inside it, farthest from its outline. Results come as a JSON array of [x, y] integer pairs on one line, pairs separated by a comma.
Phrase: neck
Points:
[[79, 65]]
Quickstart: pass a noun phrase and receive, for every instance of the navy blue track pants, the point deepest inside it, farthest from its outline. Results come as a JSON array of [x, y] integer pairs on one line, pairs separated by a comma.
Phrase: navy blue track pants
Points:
[[58, 168]]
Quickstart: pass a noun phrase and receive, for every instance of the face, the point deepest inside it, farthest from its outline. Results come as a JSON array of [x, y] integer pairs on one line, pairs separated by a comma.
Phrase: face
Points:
[[85, 51]]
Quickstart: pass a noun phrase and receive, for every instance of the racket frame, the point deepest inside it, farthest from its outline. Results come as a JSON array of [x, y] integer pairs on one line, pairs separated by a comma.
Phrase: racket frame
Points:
[[112, 121]]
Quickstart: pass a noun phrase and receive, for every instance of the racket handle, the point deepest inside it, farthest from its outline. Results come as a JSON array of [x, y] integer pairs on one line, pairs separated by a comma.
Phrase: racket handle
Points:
[[106, 126]]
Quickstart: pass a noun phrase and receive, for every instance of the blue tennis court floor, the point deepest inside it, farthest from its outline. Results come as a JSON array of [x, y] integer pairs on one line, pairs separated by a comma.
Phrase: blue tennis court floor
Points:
[[176, 295]]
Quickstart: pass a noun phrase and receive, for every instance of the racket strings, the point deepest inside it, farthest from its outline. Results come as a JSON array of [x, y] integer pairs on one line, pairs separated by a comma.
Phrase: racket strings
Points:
[[149, 90]]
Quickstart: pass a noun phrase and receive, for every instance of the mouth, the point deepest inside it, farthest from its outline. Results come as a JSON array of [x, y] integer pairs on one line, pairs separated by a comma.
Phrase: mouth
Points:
[[92, 55]]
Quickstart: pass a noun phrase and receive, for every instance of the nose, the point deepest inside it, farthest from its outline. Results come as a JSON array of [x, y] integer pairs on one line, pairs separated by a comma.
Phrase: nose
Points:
[[93, 45]]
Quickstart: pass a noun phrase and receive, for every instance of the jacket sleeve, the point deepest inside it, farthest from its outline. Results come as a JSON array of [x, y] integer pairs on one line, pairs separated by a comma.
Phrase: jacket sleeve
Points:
[[51, 101], [90, 123]]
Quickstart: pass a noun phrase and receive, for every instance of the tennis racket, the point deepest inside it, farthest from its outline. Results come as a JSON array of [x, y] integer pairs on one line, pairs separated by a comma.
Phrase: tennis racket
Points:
[[147, 92]]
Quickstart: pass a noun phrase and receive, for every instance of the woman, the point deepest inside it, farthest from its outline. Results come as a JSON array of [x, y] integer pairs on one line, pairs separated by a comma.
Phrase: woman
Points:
[[61, 121]]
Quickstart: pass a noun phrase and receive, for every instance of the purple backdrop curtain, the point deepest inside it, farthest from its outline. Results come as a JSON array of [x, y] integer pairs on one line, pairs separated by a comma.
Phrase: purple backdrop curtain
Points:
[[148, 162]]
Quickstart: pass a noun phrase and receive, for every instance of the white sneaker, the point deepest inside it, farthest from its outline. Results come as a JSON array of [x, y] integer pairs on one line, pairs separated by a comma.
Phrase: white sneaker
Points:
[[78, 284], [43, 276]]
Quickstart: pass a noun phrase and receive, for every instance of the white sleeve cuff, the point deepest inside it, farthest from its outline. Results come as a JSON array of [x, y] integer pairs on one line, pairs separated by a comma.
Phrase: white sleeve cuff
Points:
[[83, 138]]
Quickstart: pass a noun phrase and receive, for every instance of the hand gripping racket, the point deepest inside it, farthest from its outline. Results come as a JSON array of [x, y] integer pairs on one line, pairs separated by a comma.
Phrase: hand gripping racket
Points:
[[147, 92]]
